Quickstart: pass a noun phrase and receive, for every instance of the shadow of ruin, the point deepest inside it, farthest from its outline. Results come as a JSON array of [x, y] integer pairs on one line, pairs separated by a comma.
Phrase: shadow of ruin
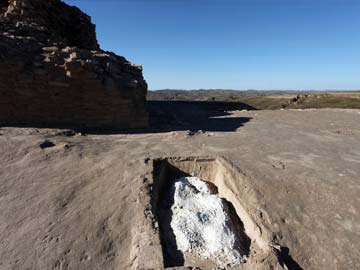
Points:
[[195, 115]]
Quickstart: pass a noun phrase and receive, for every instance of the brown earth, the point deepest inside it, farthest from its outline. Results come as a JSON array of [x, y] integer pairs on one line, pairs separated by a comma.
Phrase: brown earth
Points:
[[73, 200]]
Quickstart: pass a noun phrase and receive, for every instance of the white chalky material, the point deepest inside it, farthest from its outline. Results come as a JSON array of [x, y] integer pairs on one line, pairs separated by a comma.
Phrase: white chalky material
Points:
[[201, 223]]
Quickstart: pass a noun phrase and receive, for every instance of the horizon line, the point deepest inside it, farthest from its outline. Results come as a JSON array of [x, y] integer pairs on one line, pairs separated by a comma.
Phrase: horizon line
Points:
[[226, 89]]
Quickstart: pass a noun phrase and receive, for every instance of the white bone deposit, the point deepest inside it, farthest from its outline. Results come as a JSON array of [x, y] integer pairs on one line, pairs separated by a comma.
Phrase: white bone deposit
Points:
[[202, 225]]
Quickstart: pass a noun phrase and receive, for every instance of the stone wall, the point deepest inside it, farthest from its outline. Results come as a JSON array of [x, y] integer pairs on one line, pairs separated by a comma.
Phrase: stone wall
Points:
[[52, 71], [61, 22]]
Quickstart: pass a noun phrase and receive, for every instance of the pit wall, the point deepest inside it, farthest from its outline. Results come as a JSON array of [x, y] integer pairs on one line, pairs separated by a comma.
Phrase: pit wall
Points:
[[232, 185]]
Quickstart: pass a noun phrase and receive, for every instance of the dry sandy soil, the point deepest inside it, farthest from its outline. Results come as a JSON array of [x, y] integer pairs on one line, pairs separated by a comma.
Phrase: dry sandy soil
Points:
[[81, 201]]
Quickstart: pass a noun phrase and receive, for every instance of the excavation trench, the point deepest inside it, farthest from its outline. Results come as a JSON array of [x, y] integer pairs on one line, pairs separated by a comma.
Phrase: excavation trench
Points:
[[198, 204]]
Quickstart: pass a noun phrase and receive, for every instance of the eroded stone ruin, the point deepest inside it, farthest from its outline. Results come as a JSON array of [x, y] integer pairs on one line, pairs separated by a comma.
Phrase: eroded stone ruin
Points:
[[53, 72]]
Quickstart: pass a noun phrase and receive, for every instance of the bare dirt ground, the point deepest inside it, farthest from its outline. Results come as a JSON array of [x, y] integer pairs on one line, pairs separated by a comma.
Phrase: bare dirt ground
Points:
[[76, 201]]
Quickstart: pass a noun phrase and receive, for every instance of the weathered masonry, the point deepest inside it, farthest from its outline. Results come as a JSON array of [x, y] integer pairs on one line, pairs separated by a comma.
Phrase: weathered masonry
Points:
[[53, 72]]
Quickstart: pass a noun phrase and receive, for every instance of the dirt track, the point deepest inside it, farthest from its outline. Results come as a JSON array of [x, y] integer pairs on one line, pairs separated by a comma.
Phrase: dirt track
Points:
[[79, 204]]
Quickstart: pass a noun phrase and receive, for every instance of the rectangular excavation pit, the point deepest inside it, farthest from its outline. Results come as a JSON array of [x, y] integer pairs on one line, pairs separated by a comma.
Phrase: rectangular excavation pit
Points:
[[252, 240]]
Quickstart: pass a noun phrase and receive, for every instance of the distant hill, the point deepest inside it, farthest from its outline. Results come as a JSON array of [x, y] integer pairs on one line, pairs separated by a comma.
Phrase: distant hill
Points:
[[206, 95], [265, 100]]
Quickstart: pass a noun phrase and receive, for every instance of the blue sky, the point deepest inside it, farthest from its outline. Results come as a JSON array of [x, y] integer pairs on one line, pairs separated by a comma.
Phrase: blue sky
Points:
[[234, 44]]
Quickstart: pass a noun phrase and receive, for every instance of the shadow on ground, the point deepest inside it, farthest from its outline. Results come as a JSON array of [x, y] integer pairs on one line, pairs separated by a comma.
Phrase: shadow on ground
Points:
[[166, 116], [195, 115]]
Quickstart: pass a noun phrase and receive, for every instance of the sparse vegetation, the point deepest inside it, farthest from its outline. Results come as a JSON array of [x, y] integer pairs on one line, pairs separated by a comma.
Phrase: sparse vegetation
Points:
[[267, 100], [305, 101]]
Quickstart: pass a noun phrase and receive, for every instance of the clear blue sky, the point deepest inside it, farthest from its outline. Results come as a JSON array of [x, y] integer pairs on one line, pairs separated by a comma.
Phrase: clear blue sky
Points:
[[234, 44]]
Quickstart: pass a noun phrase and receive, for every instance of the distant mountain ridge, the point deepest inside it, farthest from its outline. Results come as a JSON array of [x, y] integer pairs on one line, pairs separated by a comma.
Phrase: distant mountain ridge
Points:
[[213, 94], [264, 100]]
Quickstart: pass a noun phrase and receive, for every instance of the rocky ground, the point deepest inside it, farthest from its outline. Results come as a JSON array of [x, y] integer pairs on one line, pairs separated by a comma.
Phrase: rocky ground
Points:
[[70, 200]]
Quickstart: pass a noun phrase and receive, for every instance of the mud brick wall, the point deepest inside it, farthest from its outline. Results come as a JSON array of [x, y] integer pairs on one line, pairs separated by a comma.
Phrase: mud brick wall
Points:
[[52, 71], [60, 21]]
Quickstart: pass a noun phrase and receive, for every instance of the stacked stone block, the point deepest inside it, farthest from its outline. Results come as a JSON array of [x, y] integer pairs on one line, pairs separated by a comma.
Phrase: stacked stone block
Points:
[[52, 71]]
